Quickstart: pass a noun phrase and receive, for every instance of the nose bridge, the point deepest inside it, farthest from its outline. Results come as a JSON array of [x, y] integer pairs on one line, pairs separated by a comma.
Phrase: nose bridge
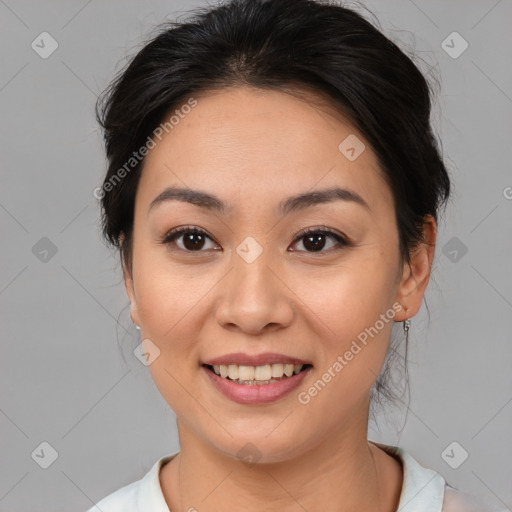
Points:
[[251, 261], [254, 297]]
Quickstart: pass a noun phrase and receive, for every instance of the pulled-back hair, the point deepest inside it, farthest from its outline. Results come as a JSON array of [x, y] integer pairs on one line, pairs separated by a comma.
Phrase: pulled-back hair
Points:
[[292, 45]]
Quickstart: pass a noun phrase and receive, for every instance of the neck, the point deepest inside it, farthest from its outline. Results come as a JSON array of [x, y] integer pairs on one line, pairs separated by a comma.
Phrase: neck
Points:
[[343, 473]]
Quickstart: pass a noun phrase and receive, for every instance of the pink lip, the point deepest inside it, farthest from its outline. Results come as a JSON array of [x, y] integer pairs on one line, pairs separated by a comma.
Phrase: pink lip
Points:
[[255, 360], [255, 394]]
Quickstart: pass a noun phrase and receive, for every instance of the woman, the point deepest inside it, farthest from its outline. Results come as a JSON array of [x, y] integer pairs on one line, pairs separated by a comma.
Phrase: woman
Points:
[[274, 187]]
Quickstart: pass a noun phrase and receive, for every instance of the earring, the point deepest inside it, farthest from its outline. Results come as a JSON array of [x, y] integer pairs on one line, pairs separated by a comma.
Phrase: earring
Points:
[[407, 325]]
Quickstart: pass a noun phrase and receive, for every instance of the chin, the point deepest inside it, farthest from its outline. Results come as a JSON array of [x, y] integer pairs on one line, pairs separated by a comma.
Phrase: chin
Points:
[[260, 447]]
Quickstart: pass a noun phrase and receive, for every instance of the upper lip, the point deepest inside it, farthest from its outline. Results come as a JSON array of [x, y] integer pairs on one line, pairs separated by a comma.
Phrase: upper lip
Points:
[[255, 360]]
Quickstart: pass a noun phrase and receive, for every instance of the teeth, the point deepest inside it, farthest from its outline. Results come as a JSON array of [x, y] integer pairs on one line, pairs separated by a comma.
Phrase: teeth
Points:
[[277, 370], [233, 371], [262, 372], [257, 374], [288, 370], [256, 382], [246, 372]]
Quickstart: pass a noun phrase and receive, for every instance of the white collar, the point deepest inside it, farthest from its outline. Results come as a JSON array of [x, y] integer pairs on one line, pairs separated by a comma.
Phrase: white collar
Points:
[[422, 488]]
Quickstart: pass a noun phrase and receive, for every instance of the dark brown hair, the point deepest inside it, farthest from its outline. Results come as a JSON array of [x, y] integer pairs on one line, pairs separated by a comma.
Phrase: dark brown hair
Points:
[[279, 44]]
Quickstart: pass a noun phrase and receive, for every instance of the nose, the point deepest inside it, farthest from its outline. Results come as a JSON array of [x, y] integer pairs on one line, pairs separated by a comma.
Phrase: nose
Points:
[[254, 297]]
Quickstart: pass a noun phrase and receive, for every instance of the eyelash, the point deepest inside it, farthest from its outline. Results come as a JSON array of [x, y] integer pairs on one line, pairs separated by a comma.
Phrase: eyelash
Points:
[[323, 230]]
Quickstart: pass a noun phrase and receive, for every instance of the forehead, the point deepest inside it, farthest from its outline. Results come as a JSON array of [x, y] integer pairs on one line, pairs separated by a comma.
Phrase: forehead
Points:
[[245, 142]]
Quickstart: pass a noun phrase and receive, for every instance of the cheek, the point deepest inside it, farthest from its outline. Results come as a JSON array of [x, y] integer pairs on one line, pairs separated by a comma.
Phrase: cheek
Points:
[[167, 293], [355, 308], [349, 297], [351, 358]]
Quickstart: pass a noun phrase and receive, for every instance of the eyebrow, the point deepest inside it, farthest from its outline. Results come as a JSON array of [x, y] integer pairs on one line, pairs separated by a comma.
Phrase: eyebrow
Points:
[[291, 204]]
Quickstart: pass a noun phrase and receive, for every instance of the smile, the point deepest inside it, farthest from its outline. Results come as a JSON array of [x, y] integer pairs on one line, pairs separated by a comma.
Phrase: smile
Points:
[[256, 384]]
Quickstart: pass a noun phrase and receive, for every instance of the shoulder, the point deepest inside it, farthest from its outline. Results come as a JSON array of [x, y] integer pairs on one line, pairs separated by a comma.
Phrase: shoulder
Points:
[[140, 496], [456, 500], [123, 500], [425, 490]]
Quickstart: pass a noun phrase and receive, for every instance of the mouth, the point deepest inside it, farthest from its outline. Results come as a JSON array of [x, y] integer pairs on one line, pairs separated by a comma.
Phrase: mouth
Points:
[[257, 375], [256, 379]]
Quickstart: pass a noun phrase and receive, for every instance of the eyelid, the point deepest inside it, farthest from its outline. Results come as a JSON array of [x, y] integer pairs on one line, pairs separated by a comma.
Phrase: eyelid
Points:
[[176, 232], [323, 230], [342, 240]]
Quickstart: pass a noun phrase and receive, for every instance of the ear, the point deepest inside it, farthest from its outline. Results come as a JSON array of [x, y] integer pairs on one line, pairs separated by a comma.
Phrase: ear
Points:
[[130, 290], [416, 274]]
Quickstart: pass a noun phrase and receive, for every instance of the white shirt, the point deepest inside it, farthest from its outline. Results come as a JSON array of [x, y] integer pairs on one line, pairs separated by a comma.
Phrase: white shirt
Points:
[[423, 490]]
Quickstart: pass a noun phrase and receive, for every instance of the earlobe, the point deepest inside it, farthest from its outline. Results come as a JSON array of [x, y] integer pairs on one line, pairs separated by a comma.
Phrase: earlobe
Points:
[[128, 283], [134, 315]]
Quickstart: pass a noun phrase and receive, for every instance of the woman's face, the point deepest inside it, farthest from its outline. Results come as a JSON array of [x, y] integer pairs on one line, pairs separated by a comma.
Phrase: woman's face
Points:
[[251, 285]]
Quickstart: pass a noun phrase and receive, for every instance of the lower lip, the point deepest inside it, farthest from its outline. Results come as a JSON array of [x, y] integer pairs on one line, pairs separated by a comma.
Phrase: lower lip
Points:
[[255, 394]]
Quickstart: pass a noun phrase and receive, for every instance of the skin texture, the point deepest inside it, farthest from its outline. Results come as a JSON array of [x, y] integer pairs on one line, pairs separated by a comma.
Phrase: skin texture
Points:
[[252, 149]]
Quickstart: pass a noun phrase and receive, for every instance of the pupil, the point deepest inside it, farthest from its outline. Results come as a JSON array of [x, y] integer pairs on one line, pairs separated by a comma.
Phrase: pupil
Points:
[[190, 239], [316, 246]]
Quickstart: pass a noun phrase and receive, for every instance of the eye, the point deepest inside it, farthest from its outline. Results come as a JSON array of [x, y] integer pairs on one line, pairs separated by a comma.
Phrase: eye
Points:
[[314, 239], [193, 238]]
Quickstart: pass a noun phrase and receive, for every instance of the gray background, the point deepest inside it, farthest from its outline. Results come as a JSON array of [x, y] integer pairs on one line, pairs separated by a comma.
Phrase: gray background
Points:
[[63, 380]]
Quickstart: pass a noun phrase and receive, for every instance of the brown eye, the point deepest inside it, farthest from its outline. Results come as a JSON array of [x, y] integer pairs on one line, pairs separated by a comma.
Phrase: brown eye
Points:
[[194, 239], [315, 239]]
